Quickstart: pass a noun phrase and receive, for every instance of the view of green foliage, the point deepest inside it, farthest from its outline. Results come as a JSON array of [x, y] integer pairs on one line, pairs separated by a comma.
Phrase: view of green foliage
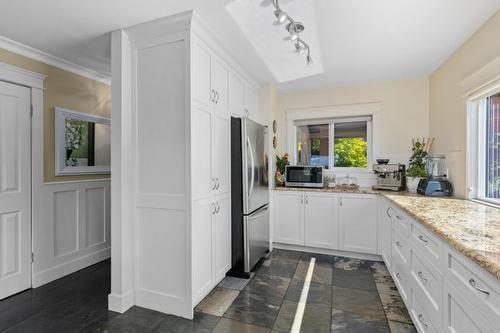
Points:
[[350, 152]]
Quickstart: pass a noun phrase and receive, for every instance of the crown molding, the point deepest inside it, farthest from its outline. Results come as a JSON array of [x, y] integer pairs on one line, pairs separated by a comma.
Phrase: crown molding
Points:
[[35, 54]]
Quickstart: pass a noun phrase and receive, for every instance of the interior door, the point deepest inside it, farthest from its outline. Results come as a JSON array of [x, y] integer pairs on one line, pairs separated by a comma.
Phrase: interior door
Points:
[[15, 189]]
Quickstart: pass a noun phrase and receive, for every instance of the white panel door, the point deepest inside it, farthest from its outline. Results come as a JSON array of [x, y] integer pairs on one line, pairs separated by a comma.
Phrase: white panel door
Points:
[[222, 154], [201, 142], [251, 102], [220, 76], [203, 266], [222, 233], [358, 223], [289, 221], [201, 73], [15, 189], [321, 220], [236, 95]]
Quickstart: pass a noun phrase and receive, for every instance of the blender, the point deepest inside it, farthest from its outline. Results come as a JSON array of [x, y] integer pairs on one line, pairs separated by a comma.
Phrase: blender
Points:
[[436, 184]]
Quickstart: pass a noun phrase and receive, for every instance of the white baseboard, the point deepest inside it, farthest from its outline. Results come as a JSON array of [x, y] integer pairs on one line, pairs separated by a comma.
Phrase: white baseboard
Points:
[[57, 272], [168, 304], [362, 256], [121, 303]]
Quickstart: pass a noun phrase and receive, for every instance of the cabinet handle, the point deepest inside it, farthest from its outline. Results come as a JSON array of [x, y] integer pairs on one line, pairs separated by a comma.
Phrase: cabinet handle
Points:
[[399, 276], [398, 243], [217, 184], [218, 208], [214, 208], [213, 95], [216, 97], [307, 199], [421, 319], [301, 198], [214, 186], [421, 276], [472, 283], [422, 239], [399, 217], [387, 212], [340, 201]]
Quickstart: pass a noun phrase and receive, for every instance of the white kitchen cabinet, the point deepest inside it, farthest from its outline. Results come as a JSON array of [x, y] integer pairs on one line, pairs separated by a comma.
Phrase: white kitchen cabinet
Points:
[[222, 235], [236, 95], [219, 80], [201, 65], [321, 220], [358, 223], [203, 123], [203, 258], [289, 221], [385, 233], [251, 102]]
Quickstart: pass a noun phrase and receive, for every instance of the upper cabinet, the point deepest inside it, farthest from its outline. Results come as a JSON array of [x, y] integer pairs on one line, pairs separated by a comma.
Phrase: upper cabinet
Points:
[[201, 77], [251, 102], [236, 95], [220, 76]]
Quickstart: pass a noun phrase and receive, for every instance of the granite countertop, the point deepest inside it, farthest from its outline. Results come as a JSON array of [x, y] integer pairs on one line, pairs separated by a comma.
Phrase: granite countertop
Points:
[[361, 190], [471, 228]]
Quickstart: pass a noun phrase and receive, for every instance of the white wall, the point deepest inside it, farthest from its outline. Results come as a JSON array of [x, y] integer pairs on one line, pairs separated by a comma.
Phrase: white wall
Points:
[[404, 111]]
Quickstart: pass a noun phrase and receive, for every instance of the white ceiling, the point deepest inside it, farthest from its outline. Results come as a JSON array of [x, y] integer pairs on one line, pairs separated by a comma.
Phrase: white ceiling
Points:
[[355, 41]]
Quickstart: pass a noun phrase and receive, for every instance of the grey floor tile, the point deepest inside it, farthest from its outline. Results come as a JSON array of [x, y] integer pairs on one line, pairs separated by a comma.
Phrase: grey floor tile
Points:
[[323, 272], [320, 258], [285, 317], [397, 327], [218, 301], [232, 326], [363, 302], [273, 287], [286, 254], [318, 293], [201, 323], [134, 320], [316, 319], [348, 322], [353, 264], [277, 266], [355, 279], [397, 312], [254, 308], [235, 283]]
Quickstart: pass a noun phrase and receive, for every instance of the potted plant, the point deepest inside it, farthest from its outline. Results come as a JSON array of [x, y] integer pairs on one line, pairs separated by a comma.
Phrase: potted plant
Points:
[[416, 167], [281, 163]]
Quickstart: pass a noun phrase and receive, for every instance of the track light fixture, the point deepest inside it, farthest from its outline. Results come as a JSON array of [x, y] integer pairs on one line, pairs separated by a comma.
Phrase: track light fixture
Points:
[[294, 28]]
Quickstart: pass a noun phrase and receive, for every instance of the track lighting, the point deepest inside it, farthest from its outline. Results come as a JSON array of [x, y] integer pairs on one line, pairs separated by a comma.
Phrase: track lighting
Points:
[[294, 28]]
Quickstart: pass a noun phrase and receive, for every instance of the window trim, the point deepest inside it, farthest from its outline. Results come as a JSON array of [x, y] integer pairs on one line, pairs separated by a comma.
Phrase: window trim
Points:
[[476, 152], [349, 112]]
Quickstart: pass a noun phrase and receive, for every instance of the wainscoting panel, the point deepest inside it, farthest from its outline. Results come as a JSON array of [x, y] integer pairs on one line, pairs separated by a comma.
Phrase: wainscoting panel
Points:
[[71, 228]]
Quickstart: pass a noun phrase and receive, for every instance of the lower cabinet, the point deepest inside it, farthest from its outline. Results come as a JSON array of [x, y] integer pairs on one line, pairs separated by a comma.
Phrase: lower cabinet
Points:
[[321, 220], [385, 233], [222, 235], [288, 218], [358, 223]]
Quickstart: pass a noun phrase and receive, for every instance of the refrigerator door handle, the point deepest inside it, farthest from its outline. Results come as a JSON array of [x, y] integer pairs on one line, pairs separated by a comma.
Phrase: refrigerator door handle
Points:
[[253, 168], [258, 212]]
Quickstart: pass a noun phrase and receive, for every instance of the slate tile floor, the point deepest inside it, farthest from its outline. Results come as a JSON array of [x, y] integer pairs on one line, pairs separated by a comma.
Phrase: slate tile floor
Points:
[[346, 295]]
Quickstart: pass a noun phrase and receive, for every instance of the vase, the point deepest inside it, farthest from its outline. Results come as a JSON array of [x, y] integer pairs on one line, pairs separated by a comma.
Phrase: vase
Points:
[[412, 183]]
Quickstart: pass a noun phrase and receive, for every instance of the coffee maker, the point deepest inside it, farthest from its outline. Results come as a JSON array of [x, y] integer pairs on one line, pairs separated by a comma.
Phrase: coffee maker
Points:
[[390, 177], [436, 184]]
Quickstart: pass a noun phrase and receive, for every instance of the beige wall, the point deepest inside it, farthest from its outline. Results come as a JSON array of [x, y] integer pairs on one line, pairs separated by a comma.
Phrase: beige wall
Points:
[[404, 111], [67, 90], [448, 103]]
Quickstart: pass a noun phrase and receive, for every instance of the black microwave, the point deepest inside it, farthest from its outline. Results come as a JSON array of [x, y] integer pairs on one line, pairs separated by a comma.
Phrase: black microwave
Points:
[[304, 176]]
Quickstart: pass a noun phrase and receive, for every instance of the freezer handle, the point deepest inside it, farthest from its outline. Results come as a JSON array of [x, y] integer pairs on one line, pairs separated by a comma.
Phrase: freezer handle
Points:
[[253, 168], [259, 211]]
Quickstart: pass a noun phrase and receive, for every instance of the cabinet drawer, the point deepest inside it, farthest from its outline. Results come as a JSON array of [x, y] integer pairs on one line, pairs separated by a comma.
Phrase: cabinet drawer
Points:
[[420, 313], [401, 278], [401, 245], [429, 281], [481, 290], [460, 316], [431, 246], [400, 221]]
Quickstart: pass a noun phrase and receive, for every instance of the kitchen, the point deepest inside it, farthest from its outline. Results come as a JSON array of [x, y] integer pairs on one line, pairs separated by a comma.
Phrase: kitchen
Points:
[[276, 166]]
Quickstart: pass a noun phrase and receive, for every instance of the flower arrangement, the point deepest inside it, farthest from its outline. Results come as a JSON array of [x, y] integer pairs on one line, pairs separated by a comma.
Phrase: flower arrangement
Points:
[[416, 166], [281, 163]]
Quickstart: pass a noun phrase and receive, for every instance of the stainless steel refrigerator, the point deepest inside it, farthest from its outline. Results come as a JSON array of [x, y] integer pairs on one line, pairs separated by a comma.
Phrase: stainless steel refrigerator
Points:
[[250, 195]]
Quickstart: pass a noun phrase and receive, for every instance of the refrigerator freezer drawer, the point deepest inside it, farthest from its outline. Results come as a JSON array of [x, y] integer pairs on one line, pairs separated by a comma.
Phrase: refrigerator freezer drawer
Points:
[[256, 226]]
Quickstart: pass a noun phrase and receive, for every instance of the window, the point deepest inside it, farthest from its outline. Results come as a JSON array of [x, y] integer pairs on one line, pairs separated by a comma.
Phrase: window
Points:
[[334, 143], [484, 143]]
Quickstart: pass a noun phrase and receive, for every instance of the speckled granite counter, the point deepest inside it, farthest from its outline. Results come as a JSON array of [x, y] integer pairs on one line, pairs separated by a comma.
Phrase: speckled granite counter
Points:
[[471, 228], [362, 190]]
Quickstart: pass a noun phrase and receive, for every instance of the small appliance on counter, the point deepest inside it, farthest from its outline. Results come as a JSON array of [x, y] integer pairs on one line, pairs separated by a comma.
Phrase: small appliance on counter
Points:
[[390, 177], [304, 176], [436, 184]]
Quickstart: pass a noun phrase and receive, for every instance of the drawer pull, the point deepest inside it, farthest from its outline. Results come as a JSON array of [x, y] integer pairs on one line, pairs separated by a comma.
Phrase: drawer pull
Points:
[[421, 275], [472, 283], [422, 239], [421, 319], [387, 212], [399, 276], [398, 243]]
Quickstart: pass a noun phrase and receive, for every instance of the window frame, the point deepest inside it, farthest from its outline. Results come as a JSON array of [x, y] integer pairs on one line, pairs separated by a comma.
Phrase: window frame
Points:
[[331, 139], [476, 144]]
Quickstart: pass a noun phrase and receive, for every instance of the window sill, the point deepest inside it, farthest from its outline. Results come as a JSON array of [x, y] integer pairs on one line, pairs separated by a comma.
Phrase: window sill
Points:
[[487, 203]]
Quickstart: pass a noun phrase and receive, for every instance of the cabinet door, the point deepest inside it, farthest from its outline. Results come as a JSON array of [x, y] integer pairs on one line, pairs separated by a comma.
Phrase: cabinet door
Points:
[[222, 233], [289, 227], [222, 154], [220, 76], [358, 223], [201, 73], [236, 95], [251, 102], [385, 233], [203, 267], [320, 220], [201, 153]]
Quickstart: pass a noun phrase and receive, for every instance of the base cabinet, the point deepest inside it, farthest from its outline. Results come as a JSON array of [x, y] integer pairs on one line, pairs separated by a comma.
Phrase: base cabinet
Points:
[[358, 223], [321, 220], [288, 226]]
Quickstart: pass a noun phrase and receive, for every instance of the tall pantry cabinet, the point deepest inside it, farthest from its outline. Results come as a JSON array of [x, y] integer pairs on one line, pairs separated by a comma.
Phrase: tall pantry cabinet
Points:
[[172, 104]]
